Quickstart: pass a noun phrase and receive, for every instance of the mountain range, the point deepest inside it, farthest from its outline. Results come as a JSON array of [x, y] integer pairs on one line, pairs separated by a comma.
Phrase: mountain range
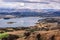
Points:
[[31, 12]]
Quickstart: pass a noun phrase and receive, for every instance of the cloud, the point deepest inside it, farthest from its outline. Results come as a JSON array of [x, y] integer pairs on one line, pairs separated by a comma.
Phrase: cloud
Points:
[[42, 6], [24, 0], [1, 0], [31, 0], [11, 5], [21, 5], [30, 4]]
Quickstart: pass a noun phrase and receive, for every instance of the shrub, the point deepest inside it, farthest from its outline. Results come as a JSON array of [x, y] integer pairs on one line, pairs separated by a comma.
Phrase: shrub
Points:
[[26, 34], [12, 37], [3, 35]]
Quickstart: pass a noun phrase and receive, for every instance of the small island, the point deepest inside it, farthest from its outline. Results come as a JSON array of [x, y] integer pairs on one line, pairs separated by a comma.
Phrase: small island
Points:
[[10, 22]]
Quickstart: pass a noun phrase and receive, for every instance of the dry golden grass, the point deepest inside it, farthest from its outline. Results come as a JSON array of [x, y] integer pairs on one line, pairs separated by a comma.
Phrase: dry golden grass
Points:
[[16, 32], [46, 35]]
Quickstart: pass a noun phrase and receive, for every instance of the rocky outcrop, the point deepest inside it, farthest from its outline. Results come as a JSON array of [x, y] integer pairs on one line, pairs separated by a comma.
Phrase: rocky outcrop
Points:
[[48, 23]]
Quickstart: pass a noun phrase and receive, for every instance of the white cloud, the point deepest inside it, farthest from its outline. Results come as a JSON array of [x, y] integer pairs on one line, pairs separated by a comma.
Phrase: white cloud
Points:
[[20, 5], [55, 1], [1, 0], [38, 0], [53, 4], [11, 5], [42, 6], [24, 0]]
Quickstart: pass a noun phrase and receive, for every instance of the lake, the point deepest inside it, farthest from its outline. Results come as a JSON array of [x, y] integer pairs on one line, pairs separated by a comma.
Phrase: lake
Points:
[[19, 22]]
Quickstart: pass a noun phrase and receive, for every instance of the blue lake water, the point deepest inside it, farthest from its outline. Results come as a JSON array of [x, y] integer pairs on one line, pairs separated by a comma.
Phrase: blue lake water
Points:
[[23, 21]]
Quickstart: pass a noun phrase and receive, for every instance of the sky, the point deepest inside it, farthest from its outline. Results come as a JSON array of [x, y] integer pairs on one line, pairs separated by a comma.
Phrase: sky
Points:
[[30, 4]]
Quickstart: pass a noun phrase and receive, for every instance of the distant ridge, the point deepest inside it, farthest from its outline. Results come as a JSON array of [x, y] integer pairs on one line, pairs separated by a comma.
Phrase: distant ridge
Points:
[[31, 12]]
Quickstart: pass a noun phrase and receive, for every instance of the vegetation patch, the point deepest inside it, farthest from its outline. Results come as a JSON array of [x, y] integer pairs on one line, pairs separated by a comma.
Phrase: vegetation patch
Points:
[[3, 35]]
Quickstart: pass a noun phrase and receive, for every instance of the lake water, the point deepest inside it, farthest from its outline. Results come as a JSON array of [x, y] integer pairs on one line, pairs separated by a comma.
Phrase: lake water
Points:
[[19, 22]]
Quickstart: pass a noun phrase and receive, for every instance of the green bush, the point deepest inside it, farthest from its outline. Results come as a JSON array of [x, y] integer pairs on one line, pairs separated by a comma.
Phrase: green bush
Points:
[[3, 35]]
